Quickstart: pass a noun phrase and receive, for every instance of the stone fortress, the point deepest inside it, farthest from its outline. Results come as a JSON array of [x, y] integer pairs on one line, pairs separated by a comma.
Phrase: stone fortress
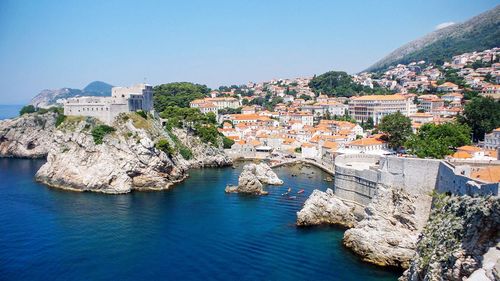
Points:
[[123, 99], [358, 176]]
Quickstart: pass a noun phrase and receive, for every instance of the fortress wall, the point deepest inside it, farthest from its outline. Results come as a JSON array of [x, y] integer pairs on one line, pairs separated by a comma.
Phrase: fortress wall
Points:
[[359, 186], [416, 176], [357, 177], [450, 179]]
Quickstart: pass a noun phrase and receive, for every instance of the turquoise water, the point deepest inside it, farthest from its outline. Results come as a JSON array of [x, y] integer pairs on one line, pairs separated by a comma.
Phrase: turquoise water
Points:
[[192, 232]]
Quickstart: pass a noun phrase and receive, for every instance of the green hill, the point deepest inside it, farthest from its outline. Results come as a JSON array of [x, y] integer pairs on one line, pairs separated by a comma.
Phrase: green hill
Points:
[[479, 33]]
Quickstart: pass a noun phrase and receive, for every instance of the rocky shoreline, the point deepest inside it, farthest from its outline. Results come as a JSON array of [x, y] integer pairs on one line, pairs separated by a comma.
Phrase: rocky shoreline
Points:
[[126, 160]]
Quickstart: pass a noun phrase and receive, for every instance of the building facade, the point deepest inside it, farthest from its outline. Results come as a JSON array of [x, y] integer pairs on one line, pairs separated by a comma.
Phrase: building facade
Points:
[[123, 99], [378, 106]]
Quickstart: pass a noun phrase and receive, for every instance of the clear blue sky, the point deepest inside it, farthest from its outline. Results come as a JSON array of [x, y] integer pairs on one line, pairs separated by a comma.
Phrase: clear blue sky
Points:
[[54, 44]]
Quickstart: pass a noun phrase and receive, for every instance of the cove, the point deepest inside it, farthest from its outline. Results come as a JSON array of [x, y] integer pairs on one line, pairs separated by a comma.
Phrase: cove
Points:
[[192, 232]]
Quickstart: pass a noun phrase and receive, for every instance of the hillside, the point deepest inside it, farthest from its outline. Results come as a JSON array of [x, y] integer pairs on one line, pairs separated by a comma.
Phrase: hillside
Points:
[[479, 33], [52, 97]]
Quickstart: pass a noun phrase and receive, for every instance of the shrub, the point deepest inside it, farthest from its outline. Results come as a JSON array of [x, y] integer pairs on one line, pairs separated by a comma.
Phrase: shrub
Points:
[[27, 109], [227, 142], [142, 114], [164, 145], [186, 152], [100, 131], [60, 118]]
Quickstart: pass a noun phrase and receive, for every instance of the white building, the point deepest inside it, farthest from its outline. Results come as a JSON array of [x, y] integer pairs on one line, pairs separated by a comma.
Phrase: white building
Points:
[[123, 99], [492, 140], [378, 106]]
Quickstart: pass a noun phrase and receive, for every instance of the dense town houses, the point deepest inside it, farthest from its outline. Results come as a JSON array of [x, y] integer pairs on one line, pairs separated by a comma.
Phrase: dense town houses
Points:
[[123, 99], [286, 117]]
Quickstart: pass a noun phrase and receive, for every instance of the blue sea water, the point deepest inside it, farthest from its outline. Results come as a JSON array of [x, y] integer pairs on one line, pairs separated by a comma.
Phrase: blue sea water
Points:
[[9, 111], [192, 232]]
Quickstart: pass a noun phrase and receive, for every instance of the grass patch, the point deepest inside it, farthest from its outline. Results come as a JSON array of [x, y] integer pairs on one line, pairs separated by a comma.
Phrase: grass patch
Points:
[[100, 131]]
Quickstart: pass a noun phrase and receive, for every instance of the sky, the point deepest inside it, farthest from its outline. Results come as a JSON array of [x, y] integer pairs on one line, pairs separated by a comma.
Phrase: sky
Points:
[[53, 44]]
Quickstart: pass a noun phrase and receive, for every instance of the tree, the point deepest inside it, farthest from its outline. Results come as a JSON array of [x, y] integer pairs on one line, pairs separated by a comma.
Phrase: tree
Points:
[[177, 94], [227, 142], [369, 124], [340, 84], [27, 109], [482, 115], [397, 127], [437, 141]]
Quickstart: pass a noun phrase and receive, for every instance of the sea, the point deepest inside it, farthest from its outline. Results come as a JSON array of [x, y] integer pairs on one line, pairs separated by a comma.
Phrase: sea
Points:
[[194, 231]]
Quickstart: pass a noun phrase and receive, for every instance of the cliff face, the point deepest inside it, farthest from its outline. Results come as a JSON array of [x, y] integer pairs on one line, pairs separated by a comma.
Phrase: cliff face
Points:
[[126, 160], [388, 233], [28, 136], [460, 240], [325, 208]]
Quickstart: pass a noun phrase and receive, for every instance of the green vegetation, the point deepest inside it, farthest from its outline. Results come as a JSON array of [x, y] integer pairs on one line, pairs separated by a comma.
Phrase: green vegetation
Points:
[[99, 131], [186, 117], [298, 149], [142, 114], [485, 34], [203, 125], [164, 145], [227, 142], [181, 148], [230, 111], [482, 115], [177, 94], [368, 125], [340, 84], [437, 141], [207, 133], [398, 129], [59, 119], [27, 109]]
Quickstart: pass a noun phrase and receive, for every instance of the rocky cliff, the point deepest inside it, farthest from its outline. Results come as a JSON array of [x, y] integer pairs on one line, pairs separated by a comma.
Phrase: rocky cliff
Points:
[[325, 208], [460, 240], [124, 159], [28, 136], [388, 234]]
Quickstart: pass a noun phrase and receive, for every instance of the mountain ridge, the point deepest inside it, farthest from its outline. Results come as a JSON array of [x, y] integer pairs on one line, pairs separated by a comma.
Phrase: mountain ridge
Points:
[[478, 33], [52, 97]]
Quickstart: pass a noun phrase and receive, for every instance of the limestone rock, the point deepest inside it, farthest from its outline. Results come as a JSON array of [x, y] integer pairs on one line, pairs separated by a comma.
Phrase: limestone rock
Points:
[[204, 155], [460, 241], [252, 178], [388, 233], [324, 208], [27, 136], [120, 164]]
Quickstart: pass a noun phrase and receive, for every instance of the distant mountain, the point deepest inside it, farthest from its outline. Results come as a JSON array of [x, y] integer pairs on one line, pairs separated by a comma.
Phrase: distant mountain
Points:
[[48, 98], [479, 33], [99, 88]]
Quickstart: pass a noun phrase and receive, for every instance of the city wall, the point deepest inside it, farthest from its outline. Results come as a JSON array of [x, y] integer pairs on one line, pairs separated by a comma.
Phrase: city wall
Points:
[[358, 176]]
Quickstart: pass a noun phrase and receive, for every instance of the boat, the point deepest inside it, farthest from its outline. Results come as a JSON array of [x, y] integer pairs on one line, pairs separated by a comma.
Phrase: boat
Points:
[[291, 197], [300, 191], [328, 179]]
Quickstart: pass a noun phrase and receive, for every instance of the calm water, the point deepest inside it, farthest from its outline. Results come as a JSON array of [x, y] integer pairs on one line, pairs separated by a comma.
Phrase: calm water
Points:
[[192, 232], [9, 111]]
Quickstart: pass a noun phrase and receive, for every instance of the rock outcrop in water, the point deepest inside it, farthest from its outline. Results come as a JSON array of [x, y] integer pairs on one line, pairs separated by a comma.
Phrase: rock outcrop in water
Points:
[[28, 136], [126, 160], [324, 208], [388, 234], [253, 177], [460, 240]]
